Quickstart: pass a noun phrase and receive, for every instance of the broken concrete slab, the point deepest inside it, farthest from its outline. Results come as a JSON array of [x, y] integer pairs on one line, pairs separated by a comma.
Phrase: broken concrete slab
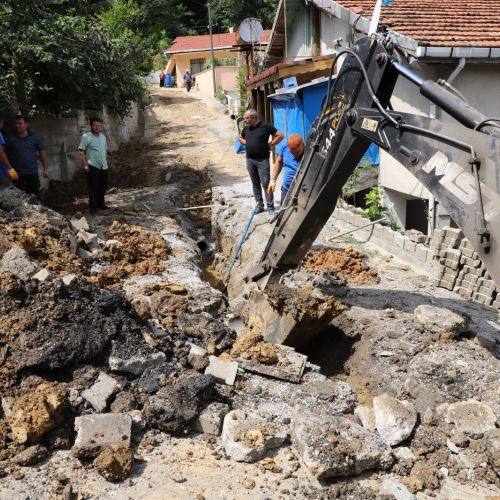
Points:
[[290, 316], [247, 437], [97, 431], [335, 446], [7, 404], [16, 261], [90, 239], [471, 417], [392, 488], [77, 224], [366, 416], [211, 418], [43, 275], [101, 392], [442, 321], [330, 397], [290, 365], [174, 408], [69, 280], [136, 364], [195, 351], [223, 371], [394, 419]]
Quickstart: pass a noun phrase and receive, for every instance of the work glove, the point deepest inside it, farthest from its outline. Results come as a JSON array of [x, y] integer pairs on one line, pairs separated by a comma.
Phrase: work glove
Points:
[[271, 187], [13, 174]]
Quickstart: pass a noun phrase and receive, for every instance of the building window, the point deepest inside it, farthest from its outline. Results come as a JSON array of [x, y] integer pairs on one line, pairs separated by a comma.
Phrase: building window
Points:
[[197, 65]]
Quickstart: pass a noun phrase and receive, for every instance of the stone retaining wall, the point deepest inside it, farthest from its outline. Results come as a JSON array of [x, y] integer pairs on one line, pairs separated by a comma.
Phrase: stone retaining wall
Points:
[[448, 256]]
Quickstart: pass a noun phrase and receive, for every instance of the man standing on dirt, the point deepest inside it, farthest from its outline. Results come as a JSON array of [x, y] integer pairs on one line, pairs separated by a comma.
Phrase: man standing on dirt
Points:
[[288, 159], [93, 154], [24, 148], [188, 80], [255, 138]]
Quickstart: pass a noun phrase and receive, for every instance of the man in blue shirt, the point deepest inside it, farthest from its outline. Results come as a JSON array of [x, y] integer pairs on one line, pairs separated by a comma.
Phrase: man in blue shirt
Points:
[[288, 159], [24, 149]]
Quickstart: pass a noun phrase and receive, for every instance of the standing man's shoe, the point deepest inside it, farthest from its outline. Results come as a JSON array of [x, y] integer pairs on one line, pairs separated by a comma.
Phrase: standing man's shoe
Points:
[[259, 210]]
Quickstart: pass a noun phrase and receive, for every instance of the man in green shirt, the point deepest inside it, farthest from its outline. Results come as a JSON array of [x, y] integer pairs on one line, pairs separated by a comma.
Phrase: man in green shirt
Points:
[[93, 151]]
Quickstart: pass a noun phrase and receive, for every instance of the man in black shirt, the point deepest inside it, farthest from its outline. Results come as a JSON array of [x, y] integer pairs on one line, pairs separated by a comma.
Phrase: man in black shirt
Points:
[[255, 137]]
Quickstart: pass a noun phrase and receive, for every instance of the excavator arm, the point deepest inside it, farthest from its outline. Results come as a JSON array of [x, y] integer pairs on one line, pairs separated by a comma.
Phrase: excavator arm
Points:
[[459, 163]]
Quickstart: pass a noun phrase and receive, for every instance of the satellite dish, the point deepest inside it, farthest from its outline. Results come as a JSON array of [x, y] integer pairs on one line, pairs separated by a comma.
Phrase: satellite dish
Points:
[[250, 31]]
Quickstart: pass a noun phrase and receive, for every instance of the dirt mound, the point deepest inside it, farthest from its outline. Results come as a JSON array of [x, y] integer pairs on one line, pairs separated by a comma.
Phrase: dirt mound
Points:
[[51, 326], [130, 251], [348, 263]]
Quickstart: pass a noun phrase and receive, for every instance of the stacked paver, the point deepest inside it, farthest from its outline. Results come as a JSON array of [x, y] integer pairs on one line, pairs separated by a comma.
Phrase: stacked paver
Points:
[[463, 271]]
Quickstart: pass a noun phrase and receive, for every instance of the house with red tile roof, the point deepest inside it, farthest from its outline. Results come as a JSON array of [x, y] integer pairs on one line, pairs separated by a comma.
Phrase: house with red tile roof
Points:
[[193, 53], [454, 40]]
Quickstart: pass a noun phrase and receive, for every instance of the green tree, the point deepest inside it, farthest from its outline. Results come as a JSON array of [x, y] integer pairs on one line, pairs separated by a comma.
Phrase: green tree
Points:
[[230, 13], [56, 55]]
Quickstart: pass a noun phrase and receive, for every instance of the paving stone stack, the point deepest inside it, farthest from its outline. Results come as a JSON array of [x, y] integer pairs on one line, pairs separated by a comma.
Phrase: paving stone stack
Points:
[[463, 271]]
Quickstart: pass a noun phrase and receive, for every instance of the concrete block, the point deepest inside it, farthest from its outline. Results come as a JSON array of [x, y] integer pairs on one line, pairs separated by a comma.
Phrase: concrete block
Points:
[[222, 371], [69, 279], [290, 365], [7, 404], [137, 364], [416, 236], [351, 218], [86, 237], [17, 262], [388, 235], [95, 431], [43, 275], [443, 283], [481, 298], [195, 351], [78, 224], [211, 418], [409, 245], [359, 220], [452, 264], [421, 252], [399, 240], [496, 304], [101, 392], [475, 271]]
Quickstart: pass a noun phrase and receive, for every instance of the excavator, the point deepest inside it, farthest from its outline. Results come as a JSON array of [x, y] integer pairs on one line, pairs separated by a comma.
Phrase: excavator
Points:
[[458, 162]]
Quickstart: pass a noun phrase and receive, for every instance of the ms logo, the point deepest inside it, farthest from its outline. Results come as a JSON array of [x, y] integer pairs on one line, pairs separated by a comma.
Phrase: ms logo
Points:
[[453, 178]]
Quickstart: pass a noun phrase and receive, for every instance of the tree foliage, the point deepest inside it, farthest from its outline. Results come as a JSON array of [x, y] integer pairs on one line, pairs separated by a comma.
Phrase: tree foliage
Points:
[[56, 56]]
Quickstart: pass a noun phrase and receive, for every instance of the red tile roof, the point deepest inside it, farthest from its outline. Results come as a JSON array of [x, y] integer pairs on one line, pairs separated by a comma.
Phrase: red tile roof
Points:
[[202, 42], [445, 23]]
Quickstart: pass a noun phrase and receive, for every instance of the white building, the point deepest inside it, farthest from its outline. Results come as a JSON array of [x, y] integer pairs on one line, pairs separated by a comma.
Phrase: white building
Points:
[[452, 40]]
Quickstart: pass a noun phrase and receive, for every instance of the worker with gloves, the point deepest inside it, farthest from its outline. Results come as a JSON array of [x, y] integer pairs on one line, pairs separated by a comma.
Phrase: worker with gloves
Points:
[[288, 159]]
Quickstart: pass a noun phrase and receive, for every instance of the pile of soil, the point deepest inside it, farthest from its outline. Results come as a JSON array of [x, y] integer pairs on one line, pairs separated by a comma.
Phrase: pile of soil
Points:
[[347, 262], [130, 251]]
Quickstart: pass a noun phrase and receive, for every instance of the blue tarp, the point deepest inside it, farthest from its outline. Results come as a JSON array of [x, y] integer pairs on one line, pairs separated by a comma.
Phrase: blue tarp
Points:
[[295, 110], [288, 113]]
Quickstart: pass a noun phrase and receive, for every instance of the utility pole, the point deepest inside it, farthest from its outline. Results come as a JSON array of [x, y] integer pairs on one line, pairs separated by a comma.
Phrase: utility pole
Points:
[[211, 46]]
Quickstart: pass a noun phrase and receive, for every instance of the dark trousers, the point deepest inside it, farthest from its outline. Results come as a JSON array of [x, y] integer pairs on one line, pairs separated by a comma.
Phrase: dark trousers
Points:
[[260, 175], [189, 85], [29, 183], [97, 180]]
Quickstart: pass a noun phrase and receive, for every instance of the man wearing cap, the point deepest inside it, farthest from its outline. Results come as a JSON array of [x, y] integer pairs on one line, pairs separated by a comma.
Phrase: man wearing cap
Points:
[[288, 159]]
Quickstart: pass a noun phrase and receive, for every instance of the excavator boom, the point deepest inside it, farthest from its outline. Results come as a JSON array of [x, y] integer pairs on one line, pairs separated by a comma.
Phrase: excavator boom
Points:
[[457, 162]]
